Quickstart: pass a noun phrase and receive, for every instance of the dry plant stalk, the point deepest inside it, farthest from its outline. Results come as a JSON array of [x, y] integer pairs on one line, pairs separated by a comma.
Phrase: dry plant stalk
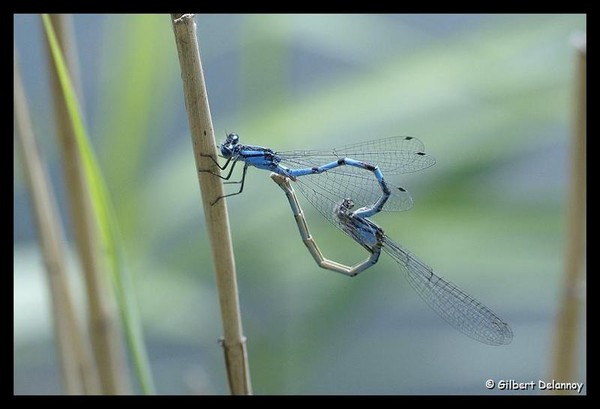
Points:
[[102, 311], [75, 358], [217, 220], [566, 335]]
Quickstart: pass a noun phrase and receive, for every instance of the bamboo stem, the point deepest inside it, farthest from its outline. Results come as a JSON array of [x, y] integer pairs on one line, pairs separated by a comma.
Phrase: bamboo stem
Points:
[[566, 335], [102, 315], [74, 356], [217, 220]]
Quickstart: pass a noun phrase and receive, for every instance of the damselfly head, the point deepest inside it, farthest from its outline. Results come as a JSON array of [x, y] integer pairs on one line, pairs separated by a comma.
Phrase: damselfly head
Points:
[[343, 209], [347, 204], [229, 147]]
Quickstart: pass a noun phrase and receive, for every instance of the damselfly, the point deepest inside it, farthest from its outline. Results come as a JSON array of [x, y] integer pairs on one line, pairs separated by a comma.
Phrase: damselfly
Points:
[[459, 309], [355, 170]]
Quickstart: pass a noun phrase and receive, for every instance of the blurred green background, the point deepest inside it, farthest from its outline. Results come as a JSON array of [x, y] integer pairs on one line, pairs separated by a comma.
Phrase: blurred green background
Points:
[[490, 96]]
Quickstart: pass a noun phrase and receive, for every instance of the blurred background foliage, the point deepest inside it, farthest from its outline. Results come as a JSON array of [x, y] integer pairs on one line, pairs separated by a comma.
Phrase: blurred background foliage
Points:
[[491, 97]]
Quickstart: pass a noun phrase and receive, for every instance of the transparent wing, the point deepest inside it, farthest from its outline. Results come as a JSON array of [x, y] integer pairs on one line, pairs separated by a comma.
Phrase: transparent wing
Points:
[[459, 309], [394, 155], [328, 188]]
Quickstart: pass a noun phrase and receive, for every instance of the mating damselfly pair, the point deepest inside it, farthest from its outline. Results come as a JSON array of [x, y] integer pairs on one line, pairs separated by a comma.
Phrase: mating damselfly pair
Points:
[[347, 185]]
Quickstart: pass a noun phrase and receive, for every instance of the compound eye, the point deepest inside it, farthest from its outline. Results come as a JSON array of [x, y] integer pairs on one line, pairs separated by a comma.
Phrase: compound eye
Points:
[[233, 138]]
